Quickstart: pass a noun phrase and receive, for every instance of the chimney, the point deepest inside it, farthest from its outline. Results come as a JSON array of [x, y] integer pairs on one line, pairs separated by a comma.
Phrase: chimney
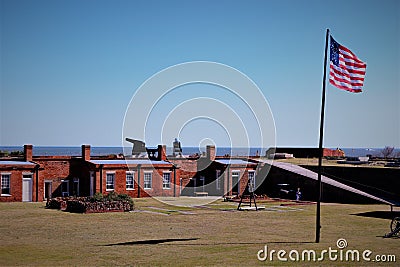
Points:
[[162, 152], [28, 152], [86, 152], [210, 151]]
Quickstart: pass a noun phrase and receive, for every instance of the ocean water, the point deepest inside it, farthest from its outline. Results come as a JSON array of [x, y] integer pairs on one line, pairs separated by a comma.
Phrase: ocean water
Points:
[[101, 151], [221, 151]]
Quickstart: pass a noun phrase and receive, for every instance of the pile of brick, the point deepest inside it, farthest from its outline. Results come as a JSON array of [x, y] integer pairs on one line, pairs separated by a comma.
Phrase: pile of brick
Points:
[[89, 205]]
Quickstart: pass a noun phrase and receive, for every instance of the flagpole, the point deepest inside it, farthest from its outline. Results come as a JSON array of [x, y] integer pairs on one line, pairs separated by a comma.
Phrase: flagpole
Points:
[[320, 148]]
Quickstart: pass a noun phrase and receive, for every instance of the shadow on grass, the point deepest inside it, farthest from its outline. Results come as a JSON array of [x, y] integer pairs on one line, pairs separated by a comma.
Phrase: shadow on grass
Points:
[[169, 240], [379, 214], [151, 242]]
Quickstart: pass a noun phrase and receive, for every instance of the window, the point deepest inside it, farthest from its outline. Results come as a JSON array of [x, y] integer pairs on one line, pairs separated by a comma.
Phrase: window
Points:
[[166, 180], [148, 176], [5, 183], [202, 179], [75, 187], [64, 188], [110, 181], [130, 180], [218, 179], [236, 174], [252, 181]]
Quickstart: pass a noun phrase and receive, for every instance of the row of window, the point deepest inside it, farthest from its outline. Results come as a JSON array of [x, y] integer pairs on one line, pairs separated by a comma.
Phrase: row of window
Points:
[[130, 180], [235, 177], [110, 182]]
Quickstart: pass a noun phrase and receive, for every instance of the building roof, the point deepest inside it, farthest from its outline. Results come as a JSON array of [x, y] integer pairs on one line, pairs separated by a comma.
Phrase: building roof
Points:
[[314, 176], [14, 162], [233, 162], [130, 162]]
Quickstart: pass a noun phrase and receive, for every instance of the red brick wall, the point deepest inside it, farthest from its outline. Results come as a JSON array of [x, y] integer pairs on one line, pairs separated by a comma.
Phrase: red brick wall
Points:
[[210, 150], [85, 152], [16, 184], [55, 170], [157, 181], [243, 176], [187, 167], [28, 153], [333, 153]]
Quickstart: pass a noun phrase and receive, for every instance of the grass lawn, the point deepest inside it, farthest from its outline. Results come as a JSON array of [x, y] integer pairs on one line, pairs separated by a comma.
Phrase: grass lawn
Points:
[[157, 234]]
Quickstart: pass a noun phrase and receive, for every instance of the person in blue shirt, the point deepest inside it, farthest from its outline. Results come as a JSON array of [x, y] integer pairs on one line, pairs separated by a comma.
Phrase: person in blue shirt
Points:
[[298, 194]]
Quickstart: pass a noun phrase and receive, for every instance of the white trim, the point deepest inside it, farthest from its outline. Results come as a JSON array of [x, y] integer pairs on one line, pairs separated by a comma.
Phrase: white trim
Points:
[[113, 184], [76, 180], [30, 184], [151, 180], [203, 179], [67, 192], [169, 181], [9, 183], [133, 180], [233, 185], [218, 179], [91, 181], [254, 178], [27, 173], [44, 188]]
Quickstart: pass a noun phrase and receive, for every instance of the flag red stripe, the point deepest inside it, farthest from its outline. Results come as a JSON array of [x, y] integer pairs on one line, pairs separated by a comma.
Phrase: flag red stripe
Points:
[[343, 72], [353, 90], [350, 59], [352, 64], [351, 83], [350, 73], [351, 54]]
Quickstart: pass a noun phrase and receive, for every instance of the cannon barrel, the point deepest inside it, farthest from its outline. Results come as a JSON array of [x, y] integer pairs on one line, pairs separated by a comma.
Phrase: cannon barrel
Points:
[[138, 146]]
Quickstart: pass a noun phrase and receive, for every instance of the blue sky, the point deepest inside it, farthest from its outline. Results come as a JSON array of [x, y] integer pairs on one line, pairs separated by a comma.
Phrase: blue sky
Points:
[[70, 68]]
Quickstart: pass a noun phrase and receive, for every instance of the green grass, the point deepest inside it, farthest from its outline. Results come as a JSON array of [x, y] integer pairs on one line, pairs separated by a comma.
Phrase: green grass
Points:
[[32, 235]]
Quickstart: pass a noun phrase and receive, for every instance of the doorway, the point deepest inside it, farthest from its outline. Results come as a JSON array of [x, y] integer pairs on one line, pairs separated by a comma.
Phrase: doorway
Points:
[[235, 182], [27, 187], [47, 189]]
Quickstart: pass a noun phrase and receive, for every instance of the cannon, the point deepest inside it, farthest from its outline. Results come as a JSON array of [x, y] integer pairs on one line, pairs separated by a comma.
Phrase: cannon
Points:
[[394, 227], [138, 146]]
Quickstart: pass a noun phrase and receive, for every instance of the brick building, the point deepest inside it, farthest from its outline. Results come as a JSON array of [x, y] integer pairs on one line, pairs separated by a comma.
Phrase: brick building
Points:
[[36, 178], [216, 176], [156, 178]]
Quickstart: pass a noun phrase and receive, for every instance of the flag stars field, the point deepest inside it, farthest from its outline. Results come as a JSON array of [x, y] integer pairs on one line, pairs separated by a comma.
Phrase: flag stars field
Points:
[[347, 71]]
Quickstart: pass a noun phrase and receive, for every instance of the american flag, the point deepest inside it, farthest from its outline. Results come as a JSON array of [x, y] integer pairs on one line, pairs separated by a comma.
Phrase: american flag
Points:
[[347, 71]]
